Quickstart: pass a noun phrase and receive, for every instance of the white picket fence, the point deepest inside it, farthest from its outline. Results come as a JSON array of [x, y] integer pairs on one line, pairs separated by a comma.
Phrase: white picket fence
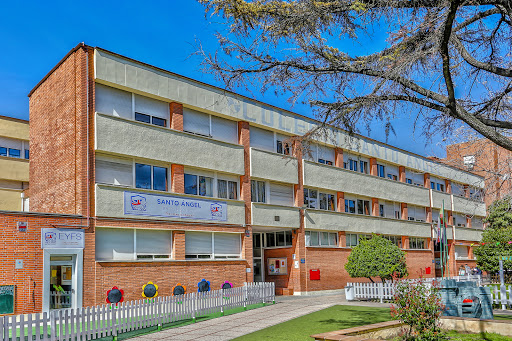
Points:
[[385, 291], [91, 323], [501, 295]]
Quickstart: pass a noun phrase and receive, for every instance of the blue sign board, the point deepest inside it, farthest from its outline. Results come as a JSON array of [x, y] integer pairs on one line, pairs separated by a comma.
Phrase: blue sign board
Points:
[[169, 206], [303, 260]]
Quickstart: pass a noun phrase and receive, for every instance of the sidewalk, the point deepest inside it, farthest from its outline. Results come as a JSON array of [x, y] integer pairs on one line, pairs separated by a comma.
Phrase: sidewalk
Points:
[[232, 326]]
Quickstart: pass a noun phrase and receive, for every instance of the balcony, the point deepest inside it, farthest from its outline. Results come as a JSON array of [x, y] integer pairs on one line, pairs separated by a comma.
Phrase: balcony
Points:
[[468, 234], [338, 221], [438, 198], [273, 166], [275, 215], [468, 206], [342, 180], [14, 169], [110, 202], [125, 137]]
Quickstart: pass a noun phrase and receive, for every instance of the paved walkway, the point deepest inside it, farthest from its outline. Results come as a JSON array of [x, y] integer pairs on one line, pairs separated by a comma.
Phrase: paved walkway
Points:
[[232, 326]]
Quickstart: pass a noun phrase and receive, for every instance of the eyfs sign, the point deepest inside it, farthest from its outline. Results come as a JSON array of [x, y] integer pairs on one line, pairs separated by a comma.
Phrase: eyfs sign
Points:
[[53, 238], [174, 207]]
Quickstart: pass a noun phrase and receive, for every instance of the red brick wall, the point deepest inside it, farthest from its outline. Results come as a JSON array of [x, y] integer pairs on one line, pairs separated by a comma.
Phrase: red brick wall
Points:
[[418, 261], [58, 136]]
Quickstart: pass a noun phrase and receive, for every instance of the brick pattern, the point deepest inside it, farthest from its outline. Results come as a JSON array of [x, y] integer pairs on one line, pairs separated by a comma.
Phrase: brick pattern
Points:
[[177, 178], [176, 111], [340, 199], [338, 157], [426, 180], [403, 211], [373, 166], [401, 172]]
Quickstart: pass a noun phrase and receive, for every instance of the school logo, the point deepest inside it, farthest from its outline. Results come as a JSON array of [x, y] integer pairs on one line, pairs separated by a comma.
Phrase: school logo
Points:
[[50, 238], [216, 210], [138, 203]]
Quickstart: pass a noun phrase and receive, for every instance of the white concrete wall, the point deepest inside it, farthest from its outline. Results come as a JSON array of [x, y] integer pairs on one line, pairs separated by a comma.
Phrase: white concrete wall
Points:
[[337, 221], [110, 203], [468, 206], [437, 200], [264, 215], [469, 234], [124, 137], [273, 166]]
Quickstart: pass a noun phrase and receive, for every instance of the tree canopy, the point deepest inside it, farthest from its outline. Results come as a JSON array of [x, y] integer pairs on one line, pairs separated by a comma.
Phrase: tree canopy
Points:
[[449, 61], [376, 257]]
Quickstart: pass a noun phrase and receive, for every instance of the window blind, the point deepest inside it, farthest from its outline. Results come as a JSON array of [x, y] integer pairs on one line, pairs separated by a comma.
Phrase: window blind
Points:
[[224, 130], [281, 194], [153, 242], [114, 244], [461, 251], [198, 243], [227, 243], [262, 139], [311, 152], [114, 173], [326, 153], [196, 122], [150, 106], [11, 143], [112, 101]]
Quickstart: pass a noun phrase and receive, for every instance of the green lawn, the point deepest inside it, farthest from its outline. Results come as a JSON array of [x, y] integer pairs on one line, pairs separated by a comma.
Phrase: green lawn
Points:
[[477, 337], [327, 320]]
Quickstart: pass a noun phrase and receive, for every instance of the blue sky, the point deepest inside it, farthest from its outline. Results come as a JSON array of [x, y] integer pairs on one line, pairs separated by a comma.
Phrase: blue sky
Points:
[[36, 35]]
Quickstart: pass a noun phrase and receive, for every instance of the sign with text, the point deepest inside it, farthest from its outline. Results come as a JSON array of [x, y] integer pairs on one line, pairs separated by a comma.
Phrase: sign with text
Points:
[[174, 207], [53, 238]]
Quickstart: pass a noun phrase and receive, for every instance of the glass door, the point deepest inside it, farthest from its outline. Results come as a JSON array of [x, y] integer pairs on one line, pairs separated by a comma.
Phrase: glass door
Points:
[[62, 281], [257, 255]]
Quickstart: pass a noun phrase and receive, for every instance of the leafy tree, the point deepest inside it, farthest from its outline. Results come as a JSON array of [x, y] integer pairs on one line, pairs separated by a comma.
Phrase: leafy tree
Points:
[[449, 61], [376, 257], [496, 237]]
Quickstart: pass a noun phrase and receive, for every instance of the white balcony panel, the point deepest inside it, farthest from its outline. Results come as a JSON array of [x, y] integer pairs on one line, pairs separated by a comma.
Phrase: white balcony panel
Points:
[[342, 180], [265, 215], [337, 221], [124, 137], [110, 203], [272, 166], [437, 200], [468, 234], [468, 206]]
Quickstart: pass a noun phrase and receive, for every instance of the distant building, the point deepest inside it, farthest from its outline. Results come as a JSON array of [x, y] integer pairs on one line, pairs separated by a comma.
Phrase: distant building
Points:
[[14, 169]]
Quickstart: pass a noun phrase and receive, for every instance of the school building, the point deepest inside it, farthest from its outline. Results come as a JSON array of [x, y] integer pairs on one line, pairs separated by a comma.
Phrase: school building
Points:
[[139, 174]]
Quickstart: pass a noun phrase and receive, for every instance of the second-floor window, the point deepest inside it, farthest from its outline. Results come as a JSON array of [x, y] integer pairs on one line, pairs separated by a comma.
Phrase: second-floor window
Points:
[[363, 167], [319, 200], [310, 198], [150, 177], [350, 206], [381, 171], [282, 145], [150, 119], [198, 185], [352, 165], [227, 189], [363, 207], [417, 243], [258, 191]]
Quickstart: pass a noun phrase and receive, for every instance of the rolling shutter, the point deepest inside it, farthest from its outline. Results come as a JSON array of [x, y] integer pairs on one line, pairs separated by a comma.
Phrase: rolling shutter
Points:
[[262, 139], [224, 130], [196, 122]]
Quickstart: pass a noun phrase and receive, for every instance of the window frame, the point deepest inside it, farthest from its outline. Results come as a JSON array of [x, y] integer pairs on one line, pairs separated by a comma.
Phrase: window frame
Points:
[[288, 242], [256, 187], [151, 176], [212, 256], [320, 243]]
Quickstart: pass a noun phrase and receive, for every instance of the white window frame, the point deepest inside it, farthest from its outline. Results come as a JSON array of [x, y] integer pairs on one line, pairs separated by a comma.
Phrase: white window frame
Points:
[[134, 162], [265, 241], [318, 192], [213, 254], [308, 242]]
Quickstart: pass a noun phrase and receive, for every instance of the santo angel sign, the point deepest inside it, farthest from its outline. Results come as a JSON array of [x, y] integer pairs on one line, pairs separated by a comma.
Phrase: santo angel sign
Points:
[[174, 207]]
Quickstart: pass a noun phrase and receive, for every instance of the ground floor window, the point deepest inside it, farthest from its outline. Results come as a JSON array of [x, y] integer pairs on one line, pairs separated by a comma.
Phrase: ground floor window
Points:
[[317, 238], [397, 240], [280, 238], [352, 239], [208, 245], [417, 243]]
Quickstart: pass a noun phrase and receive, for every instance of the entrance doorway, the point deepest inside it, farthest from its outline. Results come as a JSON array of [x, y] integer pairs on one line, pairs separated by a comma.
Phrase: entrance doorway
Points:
[[257, 254], [61, 282]]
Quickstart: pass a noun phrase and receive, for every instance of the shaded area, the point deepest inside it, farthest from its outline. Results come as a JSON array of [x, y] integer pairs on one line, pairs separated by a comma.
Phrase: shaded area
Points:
[[334, 318]]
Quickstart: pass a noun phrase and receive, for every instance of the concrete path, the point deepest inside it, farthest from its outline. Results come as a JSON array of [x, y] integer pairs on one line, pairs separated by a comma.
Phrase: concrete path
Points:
[[232, 326]]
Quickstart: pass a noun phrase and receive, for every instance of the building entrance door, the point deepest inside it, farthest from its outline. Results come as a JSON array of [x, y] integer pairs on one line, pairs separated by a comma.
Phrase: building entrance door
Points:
[[257, 250], [62, 288]]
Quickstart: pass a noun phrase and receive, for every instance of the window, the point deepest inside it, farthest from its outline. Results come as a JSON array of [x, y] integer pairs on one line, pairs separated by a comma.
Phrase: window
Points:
[[315, 238], [277, 239], [27, 154], [3, 151], [227, 189], [282, 147], [417, 243], [159, 121], [142, 117], [14, 152], [363, 167], [132, 244], [258, 191], [262, 139], [352, 164], [114, 171], [196, 122], [392, 177], [461, 252], [198, 185], [381, 210], [150, 177], [381, 171], [206, 245], [327, 202], [409, 181], [281, 194], [310, 198], [325, 155], [397, 240], [350, 206], [363, 207], [353, 239], [432, 185], [440, 187], [469, 161], [325, 162]]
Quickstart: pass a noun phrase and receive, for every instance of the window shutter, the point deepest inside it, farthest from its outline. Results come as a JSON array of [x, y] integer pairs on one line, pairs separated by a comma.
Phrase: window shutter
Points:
[[389, 209], [114, 244], [461, 251], [326, 153], [113, 102], [114, 173], [311, 153], [227, 243], [153, 107], [11, 143], [196, 122], [262, 139], [281, 194], [198, 243], [224, 130], [153, 242]]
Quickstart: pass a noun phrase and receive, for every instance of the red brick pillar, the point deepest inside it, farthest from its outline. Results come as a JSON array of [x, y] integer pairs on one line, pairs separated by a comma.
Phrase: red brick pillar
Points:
[[338, 157], [449, 217], [178, 245], [405, 242], [428, 214], [373, 166], [176, 112], [426, 180], [466, 191], [448, 186], [451, 255], [342, 239], [470, 252], [177, 178], [375, 207], [401, 172], [340, 201], [298, 278], [244, 138], [403, 211], [468, 222]]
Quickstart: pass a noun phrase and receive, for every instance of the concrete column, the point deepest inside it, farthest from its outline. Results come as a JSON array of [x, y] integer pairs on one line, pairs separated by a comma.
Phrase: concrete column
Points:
[[340, 201], [426, 180], [448, 186], [176, 113], [298, 277], [177, 178], [375, 207], [373, 166], [403, 211], [178, 245], [338, 157], [244, 139], [401, 172]]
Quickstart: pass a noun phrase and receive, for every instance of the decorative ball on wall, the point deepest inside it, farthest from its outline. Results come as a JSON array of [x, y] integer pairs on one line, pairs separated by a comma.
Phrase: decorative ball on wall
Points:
[[203, 286], [179, 290], [227, 285], [149, 290], [115, 295]]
